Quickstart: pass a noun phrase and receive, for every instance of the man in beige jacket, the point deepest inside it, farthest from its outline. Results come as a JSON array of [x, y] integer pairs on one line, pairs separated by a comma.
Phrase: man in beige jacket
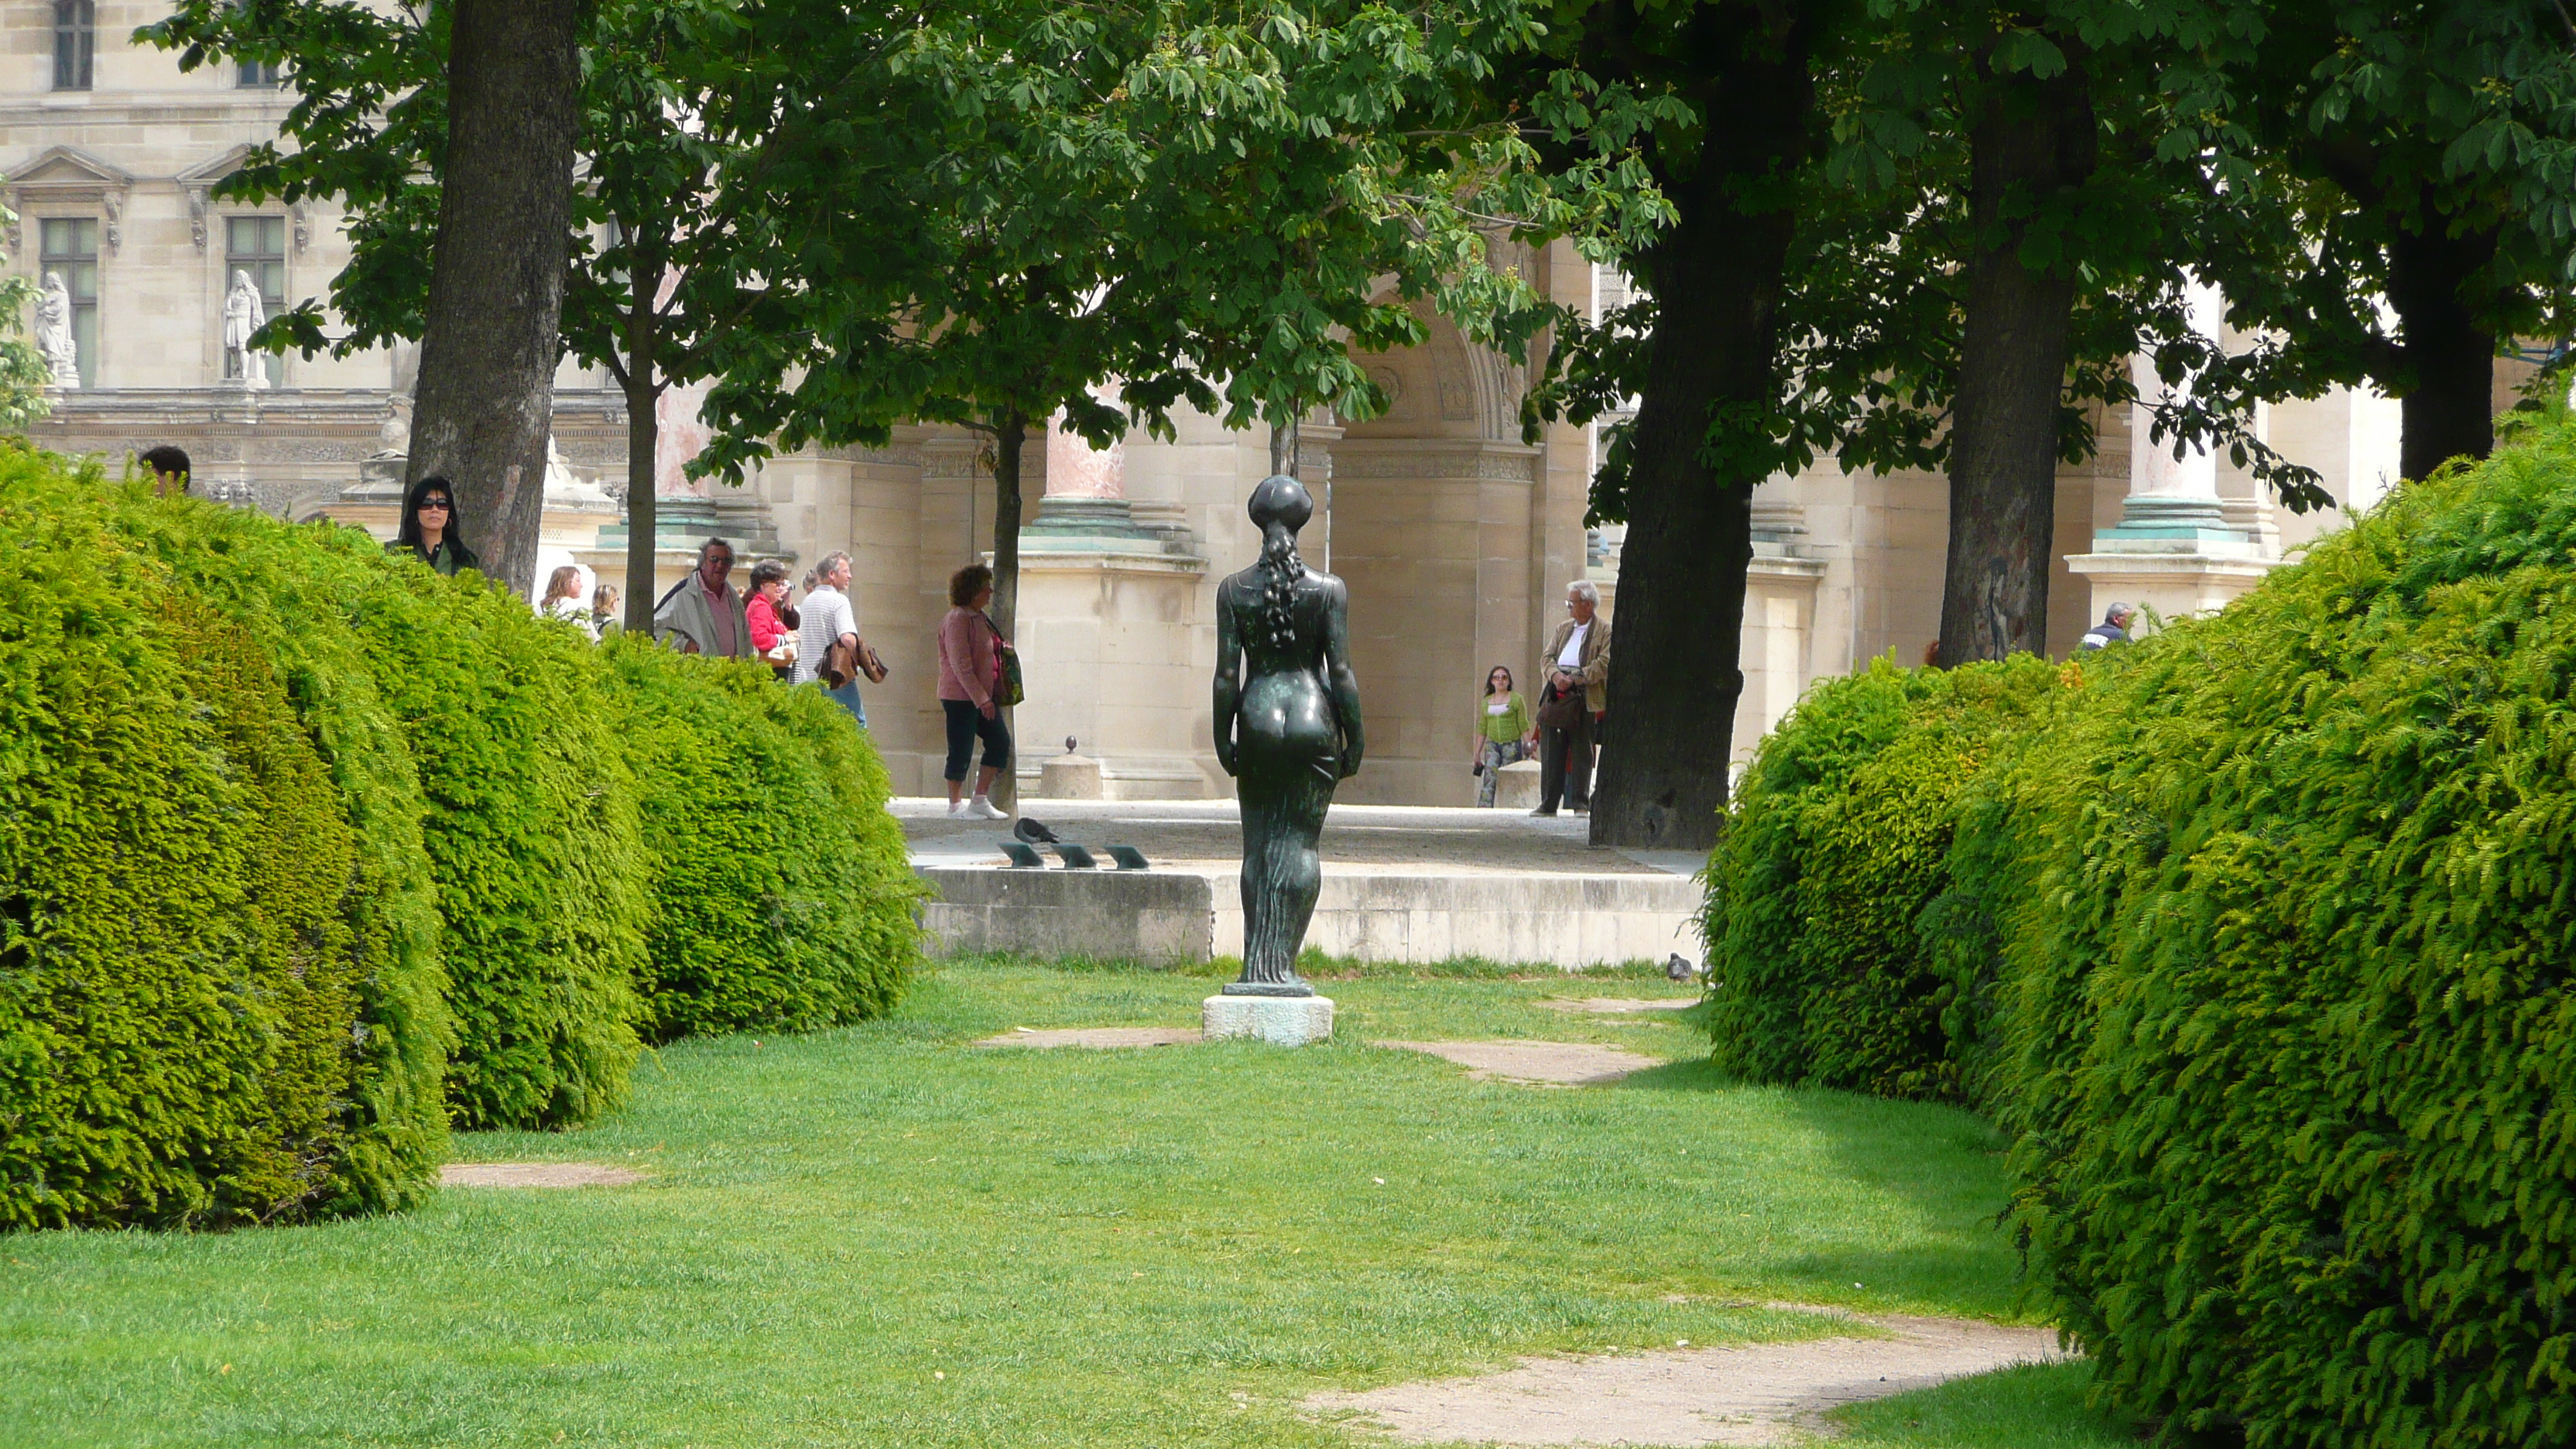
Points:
[[1577, 663]]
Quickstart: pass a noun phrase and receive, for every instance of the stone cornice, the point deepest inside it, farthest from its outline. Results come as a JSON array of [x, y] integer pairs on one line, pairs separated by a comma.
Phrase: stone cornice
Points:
[[91, 420], [1445, 458]]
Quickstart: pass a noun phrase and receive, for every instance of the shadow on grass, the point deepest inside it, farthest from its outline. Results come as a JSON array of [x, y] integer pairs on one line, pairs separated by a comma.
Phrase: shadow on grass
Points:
[[2031, 1407], [1693, 1074]]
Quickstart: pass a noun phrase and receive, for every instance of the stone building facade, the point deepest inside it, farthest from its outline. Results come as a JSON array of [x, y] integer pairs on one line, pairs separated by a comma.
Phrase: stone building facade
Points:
[[1456, 538]]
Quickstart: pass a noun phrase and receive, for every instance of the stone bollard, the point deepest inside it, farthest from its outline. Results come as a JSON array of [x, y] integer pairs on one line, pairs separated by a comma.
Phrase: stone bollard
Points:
[[1074, 777], [1516, 786]]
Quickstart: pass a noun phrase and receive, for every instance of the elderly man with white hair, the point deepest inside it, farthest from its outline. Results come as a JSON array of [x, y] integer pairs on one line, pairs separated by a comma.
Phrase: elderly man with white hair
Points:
[[1575, 688], [828, 619]]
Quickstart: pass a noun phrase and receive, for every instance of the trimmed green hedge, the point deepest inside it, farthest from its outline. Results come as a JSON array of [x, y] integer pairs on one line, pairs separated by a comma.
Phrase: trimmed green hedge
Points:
[[529, 845], [304, 850], [2295, 1036], [1835, 845], [203, 1016], [780, 896], [533, 840], [2261, 945]]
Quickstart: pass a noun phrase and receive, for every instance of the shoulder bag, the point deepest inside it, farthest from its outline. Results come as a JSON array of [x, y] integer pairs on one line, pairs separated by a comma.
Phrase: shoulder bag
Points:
[[1007, 688], [1559, 709]]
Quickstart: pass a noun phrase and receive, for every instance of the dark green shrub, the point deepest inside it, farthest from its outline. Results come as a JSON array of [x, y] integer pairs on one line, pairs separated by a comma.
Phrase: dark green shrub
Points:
[[780, 894], [2291, 917], [193, 969], [1837, 842]]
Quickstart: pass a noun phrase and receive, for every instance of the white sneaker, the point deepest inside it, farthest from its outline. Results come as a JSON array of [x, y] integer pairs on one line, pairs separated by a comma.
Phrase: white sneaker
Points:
[[956, 809], [984, 809]]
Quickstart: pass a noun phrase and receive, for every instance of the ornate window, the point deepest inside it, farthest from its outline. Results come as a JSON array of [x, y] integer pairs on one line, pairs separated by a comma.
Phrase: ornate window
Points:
[[68, 248], [75, 47], [257, 245]]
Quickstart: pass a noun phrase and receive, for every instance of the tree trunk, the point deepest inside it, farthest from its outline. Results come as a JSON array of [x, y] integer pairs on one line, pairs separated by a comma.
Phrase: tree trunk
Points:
[[644, 441], [643, 385], [1010, 441], [2448, 411], [1283, 449], [2033, 138], [488, 351], [1675, 675]]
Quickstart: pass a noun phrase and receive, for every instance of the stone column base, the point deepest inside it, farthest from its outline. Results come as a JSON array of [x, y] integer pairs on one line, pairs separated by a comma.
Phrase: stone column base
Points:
[[2188, 579], [1291, 1021]]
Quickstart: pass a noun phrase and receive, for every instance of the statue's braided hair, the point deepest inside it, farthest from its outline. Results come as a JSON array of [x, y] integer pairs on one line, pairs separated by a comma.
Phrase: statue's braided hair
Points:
[[1280, 507], [1281, 568]]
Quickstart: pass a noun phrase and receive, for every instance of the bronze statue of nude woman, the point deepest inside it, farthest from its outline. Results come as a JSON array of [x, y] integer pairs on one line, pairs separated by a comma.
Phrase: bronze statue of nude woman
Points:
[[1287, 729]]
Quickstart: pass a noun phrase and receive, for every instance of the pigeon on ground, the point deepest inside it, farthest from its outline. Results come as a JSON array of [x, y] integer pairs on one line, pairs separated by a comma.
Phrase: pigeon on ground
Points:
[[1678, 969], [1033, 832]]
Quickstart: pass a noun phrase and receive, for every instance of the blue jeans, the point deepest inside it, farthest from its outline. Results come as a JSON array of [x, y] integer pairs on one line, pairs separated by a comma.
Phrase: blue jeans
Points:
[[848, 698]]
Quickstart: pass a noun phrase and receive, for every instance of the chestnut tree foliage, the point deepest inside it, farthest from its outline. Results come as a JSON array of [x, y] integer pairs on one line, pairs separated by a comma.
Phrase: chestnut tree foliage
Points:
[[851, 213]]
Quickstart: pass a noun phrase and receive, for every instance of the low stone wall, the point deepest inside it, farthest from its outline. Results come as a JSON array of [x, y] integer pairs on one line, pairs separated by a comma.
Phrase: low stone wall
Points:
[[1193, 914]]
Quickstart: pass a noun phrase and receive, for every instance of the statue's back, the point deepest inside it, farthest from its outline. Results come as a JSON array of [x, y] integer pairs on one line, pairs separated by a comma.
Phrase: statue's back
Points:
[[1286, 720]]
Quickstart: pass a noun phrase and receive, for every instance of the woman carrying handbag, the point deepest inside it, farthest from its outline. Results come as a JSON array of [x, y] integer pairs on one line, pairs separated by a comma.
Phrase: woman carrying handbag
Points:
[[979, 677]]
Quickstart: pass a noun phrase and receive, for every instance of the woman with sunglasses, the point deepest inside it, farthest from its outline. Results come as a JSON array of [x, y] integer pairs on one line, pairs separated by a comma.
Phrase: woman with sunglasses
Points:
[[429, 529]]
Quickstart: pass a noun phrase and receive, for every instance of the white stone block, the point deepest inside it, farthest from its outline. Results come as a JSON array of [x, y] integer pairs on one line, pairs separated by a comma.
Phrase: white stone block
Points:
[[1291, 1021], [1516, 786]]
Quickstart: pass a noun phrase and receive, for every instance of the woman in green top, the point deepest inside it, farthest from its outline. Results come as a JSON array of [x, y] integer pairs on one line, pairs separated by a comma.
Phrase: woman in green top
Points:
[[429, 531], [1504, 731]]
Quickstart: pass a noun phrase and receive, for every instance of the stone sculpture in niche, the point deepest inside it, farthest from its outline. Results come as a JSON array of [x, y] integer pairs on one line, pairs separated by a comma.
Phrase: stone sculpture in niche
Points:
[[1287, 729], [54, 331], [243, 315]]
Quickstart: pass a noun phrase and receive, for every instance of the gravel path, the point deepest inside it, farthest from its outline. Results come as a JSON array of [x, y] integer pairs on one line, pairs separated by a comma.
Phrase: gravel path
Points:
[[1560, 1063], [1755, 1394]]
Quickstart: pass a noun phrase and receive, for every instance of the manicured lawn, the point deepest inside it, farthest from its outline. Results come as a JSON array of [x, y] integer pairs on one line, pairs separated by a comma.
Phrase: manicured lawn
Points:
[[885, 1236]]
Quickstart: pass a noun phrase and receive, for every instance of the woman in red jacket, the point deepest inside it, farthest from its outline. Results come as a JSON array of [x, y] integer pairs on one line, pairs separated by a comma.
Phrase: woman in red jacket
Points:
[[771, 619]]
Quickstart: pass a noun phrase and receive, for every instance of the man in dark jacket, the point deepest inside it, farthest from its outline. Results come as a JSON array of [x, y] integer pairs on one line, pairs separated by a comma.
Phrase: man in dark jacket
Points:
[[2114, 628]]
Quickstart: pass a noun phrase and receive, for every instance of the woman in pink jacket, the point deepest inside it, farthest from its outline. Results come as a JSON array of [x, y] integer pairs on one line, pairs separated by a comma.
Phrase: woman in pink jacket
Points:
[[970, 668]]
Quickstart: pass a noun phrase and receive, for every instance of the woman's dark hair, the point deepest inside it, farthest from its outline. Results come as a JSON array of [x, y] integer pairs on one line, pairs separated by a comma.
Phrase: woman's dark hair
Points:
[[766, 571], [408, 535], [966, 583], [1505, 671]]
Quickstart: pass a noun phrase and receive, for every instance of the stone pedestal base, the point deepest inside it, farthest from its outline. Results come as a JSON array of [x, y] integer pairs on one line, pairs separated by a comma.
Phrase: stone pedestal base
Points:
[[1070, 777], [1291, 1021]]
